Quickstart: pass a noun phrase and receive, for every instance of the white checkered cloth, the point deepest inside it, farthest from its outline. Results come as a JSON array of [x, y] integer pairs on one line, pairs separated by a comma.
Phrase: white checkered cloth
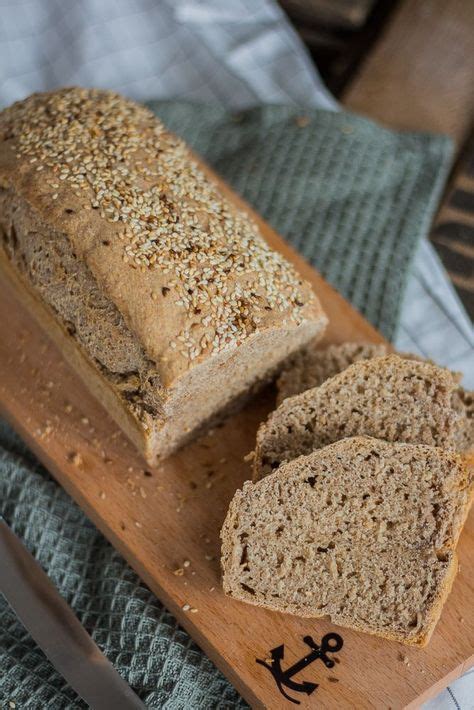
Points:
[[236, 53]]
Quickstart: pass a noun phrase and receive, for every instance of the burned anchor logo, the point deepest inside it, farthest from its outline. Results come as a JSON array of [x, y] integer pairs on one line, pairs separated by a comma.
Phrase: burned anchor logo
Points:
[[330, 643]]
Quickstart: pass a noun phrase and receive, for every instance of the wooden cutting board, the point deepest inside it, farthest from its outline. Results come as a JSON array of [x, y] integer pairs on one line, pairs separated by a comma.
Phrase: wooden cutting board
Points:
[[165, 521]]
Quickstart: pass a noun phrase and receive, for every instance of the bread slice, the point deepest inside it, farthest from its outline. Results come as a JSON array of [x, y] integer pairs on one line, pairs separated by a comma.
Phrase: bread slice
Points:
[[362, 531], [311, 366], [389, 397]]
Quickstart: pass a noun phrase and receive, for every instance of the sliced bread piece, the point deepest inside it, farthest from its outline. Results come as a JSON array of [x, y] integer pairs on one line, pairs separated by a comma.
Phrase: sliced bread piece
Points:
[[311, 366], [362, 531], [389, 397]]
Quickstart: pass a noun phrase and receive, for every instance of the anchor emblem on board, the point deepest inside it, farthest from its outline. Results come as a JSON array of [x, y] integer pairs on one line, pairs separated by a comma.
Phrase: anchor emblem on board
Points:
[[330, 643]]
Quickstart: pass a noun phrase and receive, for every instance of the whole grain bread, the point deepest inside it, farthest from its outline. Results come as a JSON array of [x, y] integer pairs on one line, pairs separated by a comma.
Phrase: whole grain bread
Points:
[[387, 397], [311, 366], [173, 300], [362, 531]]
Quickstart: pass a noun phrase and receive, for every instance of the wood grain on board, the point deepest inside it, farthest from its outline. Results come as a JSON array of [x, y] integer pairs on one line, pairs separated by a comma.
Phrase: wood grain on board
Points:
[[160, 517], [419, 74]]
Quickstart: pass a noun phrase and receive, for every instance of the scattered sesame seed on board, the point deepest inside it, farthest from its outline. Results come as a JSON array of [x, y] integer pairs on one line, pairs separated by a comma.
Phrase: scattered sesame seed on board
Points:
[[170, 216], [186, 607]]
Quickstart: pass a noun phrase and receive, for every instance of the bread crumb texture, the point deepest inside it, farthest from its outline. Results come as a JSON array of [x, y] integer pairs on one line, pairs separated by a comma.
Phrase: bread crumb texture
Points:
[[388, 397], [362, 531], [121, 162], [311, 366]]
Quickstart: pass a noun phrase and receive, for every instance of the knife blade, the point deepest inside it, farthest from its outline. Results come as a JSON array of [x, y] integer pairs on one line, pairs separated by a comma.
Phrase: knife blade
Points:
[[58, 632]]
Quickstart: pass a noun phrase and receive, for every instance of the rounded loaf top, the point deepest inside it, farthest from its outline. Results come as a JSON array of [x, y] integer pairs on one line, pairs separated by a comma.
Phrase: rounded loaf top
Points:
[[189, 270]]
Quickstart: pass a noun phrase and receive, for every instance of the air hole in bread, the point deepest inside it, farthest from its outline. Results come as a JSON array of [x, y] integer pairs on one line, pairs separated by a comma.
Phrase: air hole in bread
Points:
[[248, 589], [244, 556]]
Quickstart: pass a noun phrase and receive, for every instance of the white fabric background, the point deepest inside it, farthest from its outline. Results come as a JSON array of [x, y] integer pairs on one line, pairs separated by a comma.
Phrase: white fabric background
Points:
[[236, 53]]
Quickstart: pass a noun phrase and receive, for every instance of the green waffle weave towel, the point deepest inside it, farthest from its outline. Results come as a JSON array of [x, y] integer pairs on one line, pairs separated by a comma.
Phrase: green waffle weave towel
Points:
[[354, 199]]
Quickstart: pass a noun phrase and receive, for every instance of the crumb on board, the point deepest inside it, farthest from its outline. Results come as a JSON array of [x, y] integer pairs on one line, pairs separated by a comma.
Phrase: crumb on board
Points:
[[302, 121], [75, 458], [186, 607], [249, 457], [102, 495], [186, 563], [178, 572]]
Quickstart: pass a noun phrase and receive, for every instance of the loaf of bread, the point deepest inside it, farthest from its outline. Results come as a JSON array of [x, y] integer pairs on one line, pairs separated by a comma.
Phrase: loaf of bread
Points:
[[161, 291], [388, 397], [362, 531]]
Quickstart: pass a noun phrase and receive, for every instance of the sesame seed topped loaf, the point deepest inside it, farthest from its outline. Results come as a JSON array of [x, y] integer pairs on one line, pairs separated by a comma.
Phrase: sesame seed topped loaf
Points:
[[311, 366], [171, 295], [387, 397], [361, 531]]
